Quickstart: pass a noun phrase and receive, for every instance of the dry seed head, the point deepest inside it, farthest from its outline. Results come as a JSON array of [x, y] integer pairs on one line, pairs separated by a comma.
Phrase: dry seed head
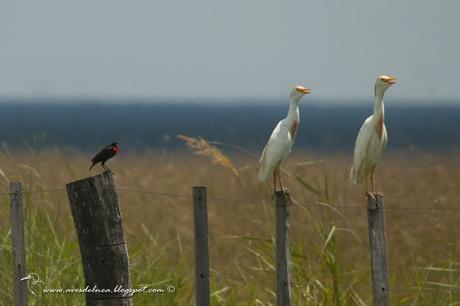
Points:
[[201, 147]]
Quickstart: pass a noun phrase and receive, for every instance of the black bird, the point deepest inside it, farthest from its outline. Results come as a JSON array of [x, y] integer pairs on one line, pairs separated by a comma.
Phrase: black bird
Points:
[[108, 152]]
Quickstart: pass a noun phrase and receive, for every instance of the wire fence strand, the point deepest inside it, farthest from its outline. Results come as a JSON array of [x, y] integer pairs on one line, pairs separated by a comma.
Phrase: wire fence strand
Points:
[[317, 204]]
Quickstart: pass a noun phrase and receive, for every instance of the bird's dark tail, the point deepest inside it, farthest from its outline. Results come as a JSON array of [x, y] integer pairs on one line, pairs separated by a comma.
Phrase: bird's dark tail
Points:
[[92, 166]]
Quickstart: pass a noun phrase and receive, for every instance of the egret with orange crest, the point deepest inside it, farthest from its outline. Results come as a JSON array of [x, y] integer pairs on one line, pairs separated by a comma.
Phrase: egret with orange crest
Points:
[[281, 140]]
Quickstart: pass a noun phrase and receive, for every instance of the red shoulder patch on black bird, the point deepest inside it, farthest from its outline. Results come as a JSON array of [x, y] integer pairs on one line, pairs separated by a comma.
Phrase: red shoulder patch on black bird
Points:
[[105, 154]]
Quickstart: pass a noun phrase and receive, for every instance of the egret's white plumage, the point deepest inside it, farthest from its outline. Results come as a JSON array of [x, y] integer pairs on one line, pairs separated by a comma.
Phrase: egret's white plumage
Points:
[[281, 140], [372, 137]]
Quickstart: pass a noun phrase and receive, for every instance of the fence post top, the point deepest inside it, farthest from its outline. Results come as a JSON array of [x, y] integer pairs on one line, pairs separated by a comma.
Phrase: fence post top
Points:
[[15, 188], [374, 201], [282, 193], [104, 175], [199, 191], [200, 187], [283, 198], [15, 183]]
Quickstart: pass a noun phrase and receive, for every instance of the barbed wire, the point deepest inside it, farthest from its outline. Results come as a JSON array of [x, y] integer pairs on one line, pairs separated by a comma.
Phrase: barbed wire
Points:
[[167, 194], [317, 204]]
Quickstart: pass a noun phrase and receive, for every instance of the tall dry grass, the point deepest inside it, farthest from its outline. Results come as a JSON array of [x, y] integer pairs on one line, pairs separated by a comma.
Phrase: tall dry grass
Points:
[[330, 258]]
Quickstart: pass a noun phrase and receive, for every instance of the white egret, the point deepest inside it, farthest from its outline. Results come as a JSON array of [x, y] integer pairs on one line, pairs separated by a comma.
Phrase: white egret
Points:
[[372, 138], [281, 140]]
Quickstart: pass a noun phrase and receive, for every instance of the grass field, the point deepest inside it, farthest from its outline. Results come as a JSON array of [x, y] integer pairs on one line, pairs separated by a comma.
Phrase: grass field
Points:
[[330, 258]]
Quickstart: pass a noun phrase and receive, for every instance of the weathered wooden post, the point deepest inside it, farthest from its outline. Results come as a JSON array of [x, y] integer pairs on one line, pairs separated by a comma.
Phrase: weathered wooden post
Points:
[[200, 215], [97, 218], [283, 279], [17, 237], [378, 245]]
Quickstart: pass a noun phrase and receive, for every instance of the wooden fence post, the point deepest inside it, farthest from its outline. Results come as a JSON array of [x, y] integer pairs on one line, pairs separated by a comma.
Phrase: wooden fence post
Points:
[[200, 214], [17, 237], [98, 221], [378, 245], [283, 279]]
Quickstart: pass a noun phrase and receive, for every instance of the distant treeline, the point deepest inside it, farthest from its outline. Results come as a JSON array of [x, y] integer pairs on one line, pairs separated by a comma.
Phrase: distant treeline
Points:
[[88, 126]]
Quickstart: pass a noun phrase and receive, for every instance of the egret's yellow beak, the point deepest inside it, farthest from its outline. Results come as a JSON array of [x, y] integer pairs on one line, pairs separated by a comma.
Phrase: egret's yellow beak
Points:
[[390, 80], [303, 90]]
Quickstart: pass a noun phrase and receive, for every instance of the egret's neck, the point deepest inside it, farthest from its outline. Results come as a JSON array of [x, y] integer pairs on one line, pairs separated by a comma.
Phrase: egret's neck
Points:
[[293, 113], [378, 106]]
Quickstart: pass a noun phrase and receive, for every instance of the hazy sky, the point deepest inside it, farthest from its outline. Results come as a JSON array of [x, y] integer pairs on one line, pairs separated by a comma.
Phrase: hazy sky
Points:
[[229, 49]]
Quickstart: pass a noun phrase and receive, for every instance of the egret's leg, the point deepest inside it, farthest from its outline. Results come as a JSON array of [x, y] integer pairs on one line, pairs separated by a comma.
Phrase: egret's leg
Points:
[[372, 176], [277, 174], [281, 182], [366, 190], [279, 179], [368, 194], [373, 182], [373, 179]]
